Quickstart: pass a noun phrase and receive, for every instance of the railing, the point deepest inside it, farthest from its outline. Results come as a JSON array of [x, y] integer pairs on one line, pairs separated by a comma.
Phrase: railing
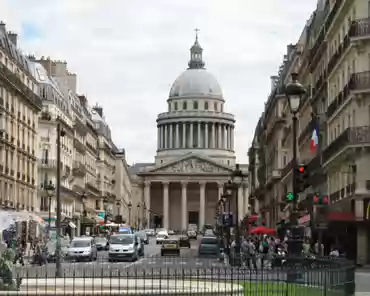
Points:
[[359, 135], [188, 275], [360, 28]]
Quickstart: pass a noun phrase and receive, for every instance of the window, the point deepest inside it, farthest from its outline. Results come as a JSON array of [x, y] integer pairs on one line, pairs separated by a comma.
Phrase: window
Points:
[[195, 105], [184, 105], [215, 106], [206, 106], [169, 107], [175, 105]]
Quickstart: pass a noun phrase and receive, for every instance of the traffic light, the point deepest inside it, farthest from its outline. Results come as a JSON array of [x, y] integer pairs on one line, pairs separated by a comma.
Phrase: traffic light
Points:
[[290, 196], [320, 199], [302, 178]]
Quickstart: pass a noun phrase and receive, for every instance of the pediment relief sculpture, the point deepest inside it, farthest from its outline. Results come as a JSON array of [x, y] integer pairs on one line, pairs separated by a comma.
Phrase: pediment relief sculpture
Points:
[[193, 165]]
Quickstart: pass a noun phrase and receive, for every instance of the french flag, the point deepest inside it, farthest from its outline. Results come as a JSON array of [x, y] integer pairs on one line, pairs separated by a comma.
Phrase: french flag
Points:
[[314, 140]]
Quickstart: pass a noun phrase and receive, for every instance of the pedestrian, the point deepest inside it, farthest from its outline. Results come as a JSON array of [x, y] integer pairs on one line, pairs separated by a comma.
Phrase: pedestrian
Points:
[[19, 253]]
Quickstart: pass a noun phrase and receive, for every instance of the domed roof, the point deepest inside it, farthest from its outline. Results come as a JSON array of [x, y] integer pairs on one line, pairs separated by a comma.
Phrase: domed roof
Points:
[[194, 82]]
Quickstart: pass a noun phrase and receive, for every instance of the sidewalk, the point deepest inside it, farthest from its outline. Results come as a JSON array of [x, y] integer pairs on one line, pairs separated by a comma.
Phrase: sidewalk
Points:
[[109, 286]]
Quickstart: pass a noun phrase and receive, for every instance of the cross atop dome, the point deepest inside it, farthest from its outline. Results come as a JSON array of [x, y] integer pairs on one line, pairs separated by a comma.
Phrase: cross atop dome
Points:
[[196, 51]]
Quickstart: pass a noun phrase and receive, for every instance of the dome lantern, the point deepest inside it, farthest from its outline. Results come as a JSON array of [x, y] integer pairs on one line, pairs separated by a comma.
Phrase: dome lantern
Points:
[[196, 51]]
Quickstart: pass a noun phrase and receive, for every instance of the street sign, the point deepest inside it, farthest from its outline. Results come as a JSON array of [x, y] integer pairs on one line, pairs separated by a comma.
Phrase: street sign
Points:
[[227, 219]]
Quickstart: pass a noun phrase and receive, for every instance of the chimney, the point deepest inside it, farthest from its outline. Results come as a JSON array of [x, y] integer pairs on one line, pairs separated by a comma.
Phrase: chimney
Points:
[[98, 110], [273, 82], [13, 37]]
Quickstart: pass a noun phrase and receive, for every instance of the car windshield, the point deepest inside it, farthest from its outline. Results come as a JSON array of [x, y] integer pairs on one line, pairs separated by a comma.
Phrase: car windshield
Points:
[[125, 231], [121, 240], [80, 244], [142, 234], [100, 240], [162, 235], [209, 241], [170, 242]]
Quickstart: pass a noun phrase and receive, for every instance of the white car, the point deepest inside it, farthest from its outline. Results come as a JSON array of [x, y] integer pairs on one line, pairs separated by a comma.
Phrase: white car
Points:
[[161, 236], [192, 234], [171, 232]]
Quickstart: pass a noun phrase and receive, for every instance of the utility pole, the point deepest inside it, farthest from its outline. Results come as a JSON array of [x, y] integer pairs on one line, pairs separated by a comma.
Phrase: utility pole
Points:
[[58, 271]]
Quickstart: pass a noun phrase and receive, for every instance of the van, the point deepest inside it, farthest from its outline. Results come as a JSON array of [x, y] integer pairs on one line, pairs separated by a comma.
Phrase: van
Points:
[[83, 248], [123, 247]]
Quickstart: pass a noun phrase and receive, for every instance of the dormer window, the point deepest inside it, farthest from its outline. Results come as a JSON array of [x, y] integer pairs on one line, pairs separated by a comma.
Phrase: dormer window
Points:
[[195, 105]]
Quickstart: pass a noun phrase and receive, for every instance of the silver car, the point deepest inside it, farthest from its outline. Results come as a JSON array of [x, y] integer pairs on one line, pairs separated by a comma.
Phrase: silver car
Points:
[[83, 248]]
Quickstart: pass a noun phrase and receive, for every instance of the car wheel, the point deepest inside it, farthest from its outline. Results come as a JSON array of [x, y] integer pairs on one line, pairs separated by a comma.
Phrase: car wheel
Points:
[[110, 260]]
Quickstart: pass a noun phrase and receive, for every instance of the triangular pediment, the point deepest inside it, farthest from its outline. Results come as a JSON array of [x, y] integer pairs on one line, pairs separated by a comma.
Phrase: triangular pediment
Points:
[[191, 164]]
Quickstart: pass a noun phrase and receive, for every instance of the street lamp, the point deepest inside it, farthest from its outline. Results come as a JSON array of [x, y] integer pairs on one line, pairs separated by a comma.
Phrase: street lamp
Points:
[[138, 215], [83, 201], [225, 197], [105, 204], [144, 215], [50, 190], [118, 204], [294, 92], [129, 206]]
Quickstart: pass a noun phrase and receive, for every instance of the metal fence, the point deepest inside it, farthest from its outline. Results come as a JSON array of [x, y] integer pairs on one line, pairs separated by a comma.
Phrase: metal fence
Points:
[[186, 275]]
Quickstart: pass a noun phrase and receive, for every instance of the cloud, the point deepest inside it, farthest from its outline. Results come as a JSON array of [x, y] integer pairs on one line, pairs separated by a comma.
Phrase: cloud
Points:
[[128, 53]]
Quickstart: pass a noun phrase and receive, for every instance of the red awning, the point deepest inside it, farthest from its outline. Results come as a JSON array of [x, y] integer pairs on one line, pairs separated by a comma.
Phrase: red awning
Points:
[[263, 230]]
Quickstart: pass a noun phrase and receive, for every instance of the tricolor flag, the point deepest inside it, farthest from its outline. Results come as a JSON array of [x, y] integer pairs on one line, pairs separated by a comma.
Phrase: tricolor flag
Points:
[[314, 140]]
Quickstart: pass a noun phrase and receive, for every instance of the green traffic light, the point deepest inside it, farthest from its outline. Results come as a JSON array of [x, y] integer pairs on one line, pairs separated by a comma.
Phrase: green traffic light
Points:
[[290, 196]]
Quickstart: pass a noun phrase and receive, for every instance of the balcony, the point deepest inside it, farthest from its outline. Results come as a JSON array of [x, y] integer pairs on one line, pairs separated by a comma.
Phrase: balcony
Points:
[[45, 116], [79, 169], [45, 139], [92, 187], [79, 146], [338, 54], [360, 29], [18, 85], [47, 163], [352, 137]]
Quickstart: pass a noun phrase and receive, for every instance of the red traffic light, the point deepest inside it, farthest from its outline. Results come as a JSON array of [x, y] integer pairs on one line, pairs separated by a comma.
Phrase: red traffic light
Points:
[[325, 199], [301, 170], [315, 199]]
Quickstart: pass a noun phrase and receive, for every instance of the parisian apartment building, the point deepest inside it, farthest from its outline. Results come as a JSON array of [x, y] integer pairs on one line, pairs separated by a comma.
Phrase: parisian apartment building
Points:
[[38, 95]]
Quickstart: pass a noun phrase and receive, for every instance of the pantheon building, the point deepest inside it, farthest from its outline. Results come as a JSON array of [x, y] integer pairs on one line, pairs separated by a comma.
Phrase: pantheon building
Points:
[[195, 155]]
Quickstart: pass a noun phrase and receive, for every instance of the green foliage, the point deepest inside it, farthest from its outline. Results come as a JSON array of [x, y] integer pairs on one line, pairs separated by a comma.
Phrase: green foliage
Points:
[[7, 282]]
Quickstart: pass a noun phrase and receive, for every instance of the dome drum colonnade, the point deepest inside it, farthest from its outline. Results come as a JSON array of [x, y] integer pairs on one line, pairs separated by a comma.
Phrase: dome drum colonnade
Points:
[[199, 126]]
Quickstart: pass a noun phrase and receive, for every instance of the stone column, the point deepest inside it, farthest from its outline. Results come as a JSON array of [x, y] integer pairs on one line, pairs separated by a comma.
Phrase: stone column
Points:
[[246, 199], [206, 135], [191, 135], [219, 136], [147, 200], [165, 205], [213, 140], [158, 137], [240, 202], [177, 144], [202, 204], [161, 136], [199, 135], [232, 138], [220, 189], [184, 135], [225, 137], [184, 206], [228, 137], [171, 136], [165, 137]]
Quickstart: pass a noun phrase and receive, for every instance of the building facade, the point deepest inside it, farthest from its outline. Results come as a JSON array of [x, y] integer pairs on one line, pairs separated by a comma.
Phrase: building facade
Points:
[[20, 105], [195, 154], [332, 60]]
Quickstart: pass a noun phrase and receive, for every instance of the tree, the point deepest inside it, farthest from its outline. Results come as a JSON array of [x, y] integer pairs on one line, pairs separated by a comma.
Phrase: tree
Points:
[[7, 281]]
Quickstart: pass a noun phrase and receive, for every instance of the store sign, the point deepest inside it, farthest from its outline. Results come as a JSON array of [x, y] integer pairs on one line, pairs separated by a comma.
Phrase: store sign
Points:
[[304, 220]]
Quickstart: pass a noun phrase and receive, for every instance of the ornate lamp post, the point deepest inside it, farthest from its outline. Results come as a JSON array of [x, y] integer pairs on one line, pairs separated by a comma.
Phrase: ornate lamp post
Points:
[[50, 190], [105, 204], [144, 215], [118, 204], [138, 215], [129, 206], [294, 92], [225, 197], [84, 214]]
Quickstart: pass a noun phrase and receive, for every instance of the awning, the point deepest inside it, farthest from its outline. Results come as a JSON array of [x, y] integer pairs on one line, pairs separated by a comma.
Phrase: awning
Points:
[[72, 225]]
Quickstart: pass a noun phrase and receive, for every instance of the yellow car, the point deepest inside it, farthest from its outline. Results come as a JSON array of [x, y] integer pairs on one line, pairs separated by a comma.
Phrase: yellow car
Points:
[[170, 246]]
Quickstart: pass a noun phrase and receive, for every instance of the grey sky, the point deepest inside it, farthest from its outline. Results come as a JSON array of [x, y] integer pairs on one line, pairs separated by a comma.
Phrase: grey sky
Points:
[[128, 53]]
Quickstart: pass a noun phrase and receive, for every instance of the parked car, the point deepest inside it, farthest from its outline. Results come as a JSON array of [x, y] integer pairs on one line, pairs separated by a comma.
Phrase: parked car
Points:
[[101, 243], [209, 247], [143, 236], [150, 232], [51, 248], [209, 232], [192, 234], [161, 236], [171, 232], [83, 248], [170, 246], [123, 247], [184, 241]]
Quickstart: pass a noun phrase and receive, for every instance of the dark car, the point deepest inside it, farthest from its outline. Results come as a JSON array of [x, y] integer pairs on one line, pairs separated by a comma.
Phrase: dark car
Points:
[[101, 243], [184, 241], [209, 247], [170, 246], [143, 237]]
